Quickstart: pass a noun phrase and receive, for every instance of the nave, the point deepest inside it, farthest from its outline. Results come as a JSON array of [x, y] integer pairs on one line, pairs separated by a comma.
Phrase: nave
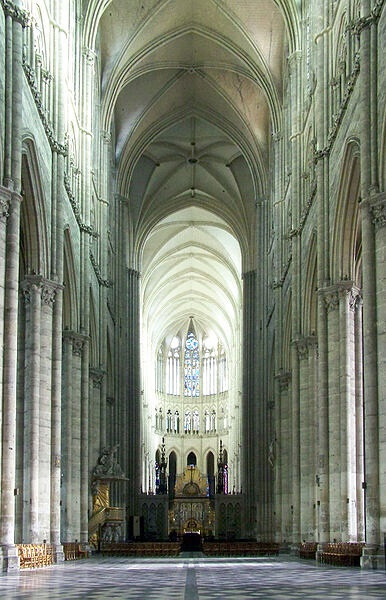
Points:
[[187, 578]]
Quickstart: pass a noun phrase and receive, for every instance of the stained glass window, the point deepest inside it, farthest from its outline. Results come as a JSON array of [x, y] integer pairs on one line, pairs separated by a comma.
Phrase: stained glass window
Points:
[[192, 367]]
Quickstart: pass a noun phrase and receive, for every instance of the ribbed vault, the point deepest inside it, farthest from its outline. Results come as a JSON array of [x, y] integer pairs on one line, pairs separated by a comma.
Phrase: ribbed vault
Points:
[[191, 265]]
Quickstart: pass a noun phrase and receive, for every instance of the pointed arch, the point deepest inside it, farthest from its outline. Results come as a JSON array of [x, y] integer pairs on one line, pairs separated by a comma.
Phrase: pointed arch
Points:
[[346, 241], [70, 304], [287, 335], [34, 241], [94, 338], [309, 290]]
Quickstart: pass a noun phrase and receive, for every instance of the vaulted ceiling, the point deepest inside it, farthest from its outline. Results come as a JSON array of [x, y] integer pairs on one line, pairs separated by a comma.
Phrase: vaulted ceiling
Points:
[[192, 92]]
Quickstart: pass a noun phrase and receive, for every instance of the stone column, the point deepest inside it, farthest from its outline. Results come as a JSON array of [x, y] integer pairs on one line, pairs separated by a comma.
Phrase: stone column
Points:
[[85, 480], [15, 19], [283, 453], [251, 447], [370, 390], [56, 418], [347, 299], [8, 454], [323, 253], [294, 64], [378, 214], [307, 466], [71, 435], [323, 460], [95, 446], [369, 188], [359, 417], [5, 200], [48, 297], [66, 435], [133, 399], [59, 110], [32, 296], [334, 424]]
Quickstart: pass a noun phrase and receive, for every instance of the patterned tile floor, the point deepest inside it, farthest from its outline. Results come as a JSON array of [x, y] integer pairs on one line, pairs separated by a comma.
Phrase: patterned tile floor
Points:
[[187, 578]]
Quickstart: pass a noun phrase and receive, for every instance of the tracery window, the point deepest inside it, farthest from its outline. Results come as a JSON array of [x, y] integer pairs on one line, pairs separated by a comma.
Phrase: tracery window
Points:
[[173, 368], [159, 383], [191, 367], [209, 373], [222, 373]]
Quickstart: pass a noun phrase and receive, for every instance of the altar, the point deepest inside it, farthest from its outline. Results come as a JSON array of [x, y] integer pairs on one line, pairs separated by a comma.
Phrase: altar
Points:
[[191, 510]]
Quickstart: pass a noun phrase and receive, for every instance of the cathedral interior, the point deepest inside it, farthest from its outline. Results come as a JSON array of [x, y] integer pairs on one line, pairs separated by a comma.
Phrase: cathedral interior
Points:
[[192, 275]]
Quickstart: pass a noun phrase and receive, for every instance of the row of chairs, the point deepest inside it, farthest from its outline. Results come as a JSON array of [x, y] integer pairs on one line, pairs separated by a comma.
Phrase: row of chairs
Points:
[[240, 548], [141, 549], [74, 551], [341, 554], [33, 556], [308, 550]]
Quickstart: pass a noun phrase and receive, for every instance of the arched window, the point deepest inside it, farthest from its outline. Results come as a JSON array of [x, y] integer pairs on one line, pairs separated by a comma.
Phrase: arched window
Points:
[[191, 460], [222, 373], [160, 372], [192, 367], [173, 369]]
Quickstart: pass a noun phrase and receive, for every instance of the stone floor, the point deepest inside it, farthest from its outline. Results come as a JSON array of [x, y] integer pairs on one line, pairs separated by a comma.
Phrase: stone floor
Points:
[[187, 578]]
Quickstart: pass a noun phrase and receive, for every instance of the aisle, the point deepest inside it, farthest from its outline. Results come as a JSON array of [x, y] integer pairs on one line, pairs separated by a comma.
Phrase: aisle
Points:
[[193, 579]]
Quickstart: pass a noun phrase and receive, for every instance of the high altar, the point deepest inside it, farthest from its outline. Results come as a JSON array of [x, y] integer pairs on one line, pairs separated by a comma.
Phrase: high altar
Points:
[[191, 510]]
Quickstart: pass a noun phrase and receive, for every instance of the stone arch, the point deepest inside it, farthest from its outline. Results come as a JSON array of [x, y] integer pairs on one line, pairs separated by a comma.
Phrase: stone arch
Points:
[[287, 335], [34, 242], [382, 154], [70, 304], [172, 467], [94, 338], [210, 472], [310, 288], [191, 458], [346, 240]]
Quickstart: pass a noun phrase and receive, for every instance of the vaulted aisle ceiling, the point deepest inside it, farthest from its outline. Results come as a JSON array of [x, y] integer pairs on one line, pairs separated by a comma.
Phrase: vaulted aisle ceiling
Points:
[[191, 91]]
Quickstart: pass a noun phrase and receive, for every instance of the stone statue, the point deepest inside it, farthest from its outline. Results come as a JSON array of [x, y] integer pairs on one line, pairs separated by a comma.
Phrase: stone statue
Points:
[[107, 465], [271, 453]]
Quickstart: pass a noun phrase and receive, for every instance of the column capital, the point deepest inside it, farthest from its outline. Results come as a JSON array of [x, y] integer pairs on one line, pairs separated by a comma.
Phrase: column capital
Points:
[[304, 344], [17, 14], [283, 378], [331, 297], [89, 55], [77, 339], [47, 288], [5, 201], [31, 284], [377, 204], [96, 376], [349, 291], [334, 293], [49, 291]]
